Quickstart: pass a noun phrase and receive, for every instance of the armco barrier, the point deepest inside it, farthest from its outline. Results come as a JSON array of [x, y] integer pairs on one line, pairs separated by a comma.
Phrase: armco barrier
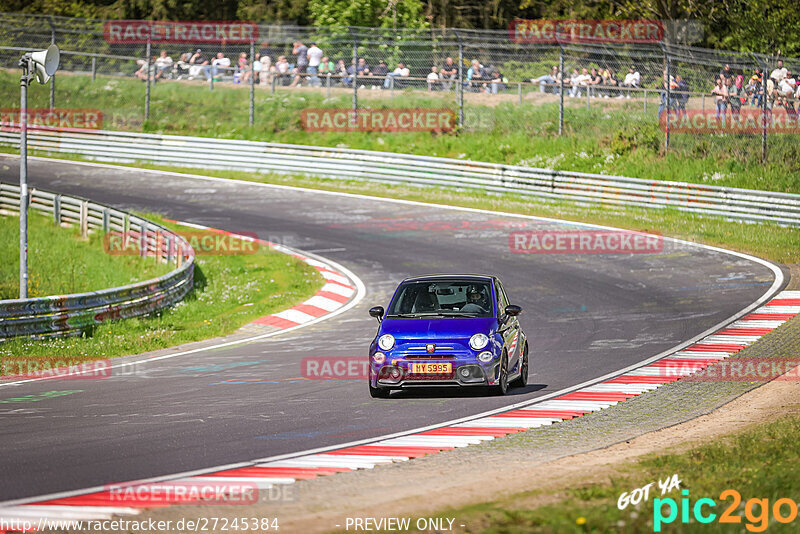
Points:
[[200, 152], [67, 314]]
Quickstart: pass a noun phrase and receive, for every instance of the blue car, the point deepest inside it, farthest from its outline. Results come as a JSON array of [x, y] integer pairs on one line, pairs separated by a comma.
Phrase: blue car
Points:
[[448, 330]]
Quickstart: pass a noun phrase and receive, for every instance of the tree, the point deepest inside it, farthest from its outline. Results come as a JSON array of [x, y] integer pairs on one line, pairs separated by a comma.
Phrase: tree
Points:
[[371, 13]]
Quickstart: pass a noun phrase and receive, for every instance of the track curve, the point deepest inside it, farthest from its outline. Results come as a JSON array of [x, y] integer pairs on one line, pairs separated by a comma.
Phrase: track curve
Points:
[[586, 316]]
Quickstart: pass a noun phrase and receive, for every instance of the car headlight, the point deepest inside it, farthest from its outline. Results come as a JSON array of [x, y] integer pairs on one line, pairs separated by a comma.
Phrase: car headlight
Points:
[[386, 341], [379, 358], [485, 356], [478, 341]]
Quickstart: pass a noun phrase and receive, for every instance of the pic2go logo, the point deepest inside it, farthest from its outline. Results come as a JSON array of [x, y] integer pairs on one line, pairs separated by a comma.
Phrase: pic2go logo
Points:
[[756, 511]]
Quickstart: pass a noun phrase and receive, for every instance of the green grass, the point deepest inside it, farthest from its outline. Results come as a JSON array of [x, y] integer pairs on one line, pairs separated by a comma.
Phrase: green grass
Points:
[[762, 462], [229, 291], [613, 137], [60, 261]]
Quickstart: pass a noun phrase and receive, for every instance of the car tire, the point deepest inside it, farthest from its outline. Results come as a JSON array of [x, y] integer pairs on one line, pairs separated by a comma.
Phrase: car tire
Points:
[[501, 388], [522, 380], [378, 392]]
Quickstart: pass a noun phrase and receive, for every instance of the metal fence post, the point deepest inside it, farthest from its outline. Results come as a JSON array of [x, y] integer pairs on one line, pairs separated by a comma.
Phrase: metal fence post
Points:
[[460, 88], [147, 89], [519, 93], [252, 82], [669, 100], [561, 90], [355, 71], [764, 115], [328, 85], [106, 218], [94, 67], [52, 78], [57, 210], [645, 101], [274, 83]]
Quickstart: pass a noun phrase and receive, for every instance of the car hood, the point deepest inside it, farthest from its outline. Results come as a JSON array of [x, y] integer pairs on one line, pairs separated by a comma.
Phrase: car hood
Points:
[[437, 327]]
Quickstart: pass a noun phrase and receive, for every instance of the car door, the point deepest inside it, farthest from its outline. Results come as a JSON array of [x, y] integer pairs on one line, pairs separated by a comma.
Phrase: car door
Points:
[[509, 327]]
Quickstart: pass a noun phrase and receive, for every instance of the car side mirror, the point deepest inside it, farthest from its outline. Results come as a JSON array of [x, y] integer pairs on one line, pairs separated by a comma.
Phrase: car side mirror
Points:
[[512, 310], [377, 312]]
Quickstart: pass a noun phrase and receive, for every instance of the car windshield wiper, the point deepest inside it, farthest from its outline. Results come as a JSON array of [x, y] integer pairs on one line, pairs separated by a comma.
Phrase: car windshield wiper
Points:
[[404, 315], [448, 314]]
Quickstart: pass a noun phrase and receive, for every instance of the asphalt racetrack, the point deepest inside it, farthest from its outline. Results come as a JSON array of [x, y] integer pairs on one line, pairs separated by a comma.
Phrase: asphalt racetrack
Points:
[[586, 315]]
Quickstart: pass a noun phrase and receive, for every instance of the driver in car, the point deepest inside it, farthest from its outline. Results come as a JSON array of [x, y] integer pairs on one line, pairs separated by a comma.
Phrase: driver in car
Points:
[[476, 301]]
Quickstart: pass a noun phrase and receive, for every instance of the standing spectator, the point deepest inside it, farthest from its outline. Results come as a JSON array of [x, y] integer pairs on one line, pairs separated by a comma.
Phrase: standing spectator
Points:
[[682, 94], [448, 74], [662, 107], [400, 72], [243, 69], [726, 73], [433, 79], [301, 65], [779, 73], [632, 81], [201, 61], [163, 65], [734, 98], [720, 93], [314, 59]]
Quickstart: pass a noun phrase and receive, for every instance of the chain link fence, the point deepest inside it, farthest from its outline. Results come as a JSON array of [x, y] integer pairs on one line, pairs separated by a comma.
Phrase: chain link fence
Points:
[[487, 80]]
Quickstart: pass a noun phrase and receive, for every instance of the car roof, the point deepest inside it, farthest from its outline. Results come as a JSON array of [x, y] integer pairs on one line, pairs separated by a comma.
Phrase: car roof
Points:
[[477, 277]]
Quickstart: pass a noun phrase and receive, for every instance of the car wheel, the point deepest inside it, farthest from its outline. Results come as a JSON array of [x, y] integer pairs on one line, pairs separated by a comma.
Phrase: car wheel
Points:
[[522, 380], [502, 382], [378, 392]]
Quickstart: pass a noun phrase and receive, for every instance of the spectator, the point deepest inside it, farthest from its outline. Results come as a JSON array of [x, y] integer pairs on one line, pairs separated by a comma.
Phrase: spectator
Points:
[[497, 82], [301, 65], [448, 74], [734, 98], [243, 70], [786, 90], [363, 67], [281, 70], [163, 65], [433, 79], [754, 88], [201, 61], [218, 63], [632, 80], [595, 82], [146, 71], [726, 73], [582, 80], [610, 81], [400, 72], [266, 51], [182, 66], [381, 71], [342, 70], [681, 94], [664, 96], [548, 80], [779, 73], [475, 77], [327, 66], [315, 56], [720, 93]]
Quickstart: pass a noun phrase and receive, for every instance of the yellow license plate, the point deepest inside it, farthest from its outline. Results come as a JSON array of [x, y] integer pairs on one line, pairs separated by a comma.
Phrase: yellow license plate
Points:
[[431, 368]]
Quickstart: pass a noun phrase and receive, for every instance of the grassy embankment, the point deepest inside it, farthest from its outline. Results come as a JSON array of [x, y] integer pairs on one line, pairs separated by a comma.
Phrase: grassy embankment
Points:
[[613, 137], [230, 290]]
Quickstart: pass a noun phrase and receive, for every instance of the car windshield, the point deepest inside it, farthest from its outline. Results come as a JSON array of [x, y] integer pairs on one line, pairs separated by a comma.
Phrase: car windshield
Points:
[[442, 298]]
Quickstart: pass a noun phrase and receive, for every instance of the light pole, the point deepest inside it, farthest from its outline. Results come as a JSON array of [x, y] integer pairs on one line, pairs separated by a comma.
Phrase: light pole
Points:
[[41, 66]]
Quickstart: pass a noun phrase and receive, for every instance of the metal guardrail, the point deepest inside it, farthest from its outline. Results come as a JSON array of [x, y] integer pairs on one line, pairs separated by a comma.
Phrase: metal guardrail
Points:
[[251, 156], [71, 314]]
